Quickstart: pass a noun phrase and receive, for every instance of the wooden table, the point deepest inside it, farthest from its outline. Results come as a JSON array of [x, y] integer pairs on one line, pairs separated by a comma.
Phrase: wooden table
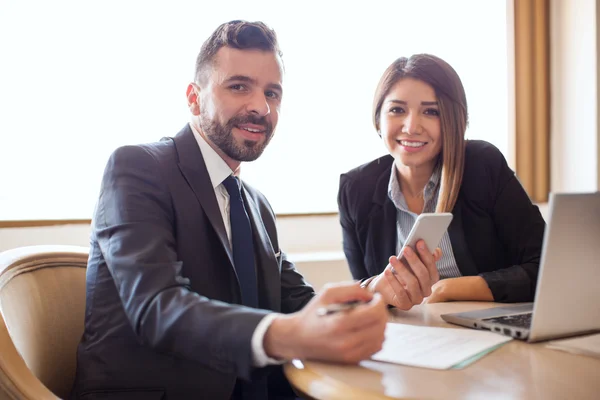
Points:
[[517, 370]]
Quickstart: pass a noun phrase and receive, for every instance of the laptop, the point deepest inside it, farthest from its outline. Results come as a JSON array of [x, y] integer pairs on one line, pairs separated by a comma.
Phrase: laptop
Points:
[[567, 299]]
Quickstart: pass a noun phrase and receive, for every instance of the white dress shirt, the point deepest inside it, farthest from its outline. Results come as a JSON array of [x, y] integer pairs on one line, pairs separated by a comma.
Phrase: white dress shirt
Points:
[[218, 171]]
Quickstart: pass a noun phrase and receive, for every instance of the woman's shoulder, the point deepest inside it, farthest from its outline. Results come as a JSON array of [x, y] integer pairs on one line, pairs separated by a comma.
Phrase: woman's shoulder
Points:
[[359, 185], [486, 171], [480, 151], [482, 156], [367, 175]]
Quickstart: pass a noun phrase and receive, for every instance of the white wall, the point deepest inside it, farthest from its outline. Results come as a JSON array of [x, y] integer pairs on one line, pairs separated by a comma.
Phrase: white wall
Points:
[[314, 244], [77, 235], [574, 104]]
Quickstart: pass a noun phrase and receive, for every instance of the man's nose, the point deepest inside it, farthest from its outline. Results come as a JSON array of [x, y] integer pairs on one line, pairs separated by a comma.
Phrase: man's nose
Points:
[[258, 104]]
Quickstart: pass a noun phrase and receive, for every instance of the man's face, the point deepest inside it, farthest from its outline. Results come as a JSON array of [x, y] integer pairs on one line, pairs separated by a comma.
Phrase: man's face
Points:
[[239, 101]]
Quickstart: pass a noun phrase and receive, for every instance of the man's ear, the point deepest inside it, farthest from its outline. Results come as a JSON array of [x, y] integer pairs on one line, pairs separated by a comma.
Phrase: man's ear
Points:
[[193, 98]]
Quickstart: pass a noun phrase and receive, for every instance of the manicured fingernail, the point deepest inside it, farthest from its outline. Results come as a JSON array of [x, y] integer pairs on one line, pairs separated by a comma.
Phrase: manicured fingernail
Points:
[[421, 246], [393, 271], [407, 251]]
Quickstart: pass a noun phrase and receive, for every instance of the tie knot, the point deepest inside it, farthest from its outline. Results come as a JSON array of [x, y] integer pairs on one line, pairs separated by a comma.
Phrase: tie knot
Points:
[[232, 185]]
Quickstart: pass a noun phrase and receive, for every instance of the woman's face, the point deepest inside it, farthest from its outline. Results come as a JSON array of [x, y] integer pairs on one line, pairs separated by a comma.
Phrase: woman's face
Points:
[[410, 123]]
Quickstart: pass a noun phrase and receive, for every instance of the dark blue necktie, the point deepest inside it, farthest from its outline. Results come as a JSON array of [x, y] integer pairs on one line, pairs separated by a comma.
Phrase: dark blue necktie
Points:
[[242, 243]]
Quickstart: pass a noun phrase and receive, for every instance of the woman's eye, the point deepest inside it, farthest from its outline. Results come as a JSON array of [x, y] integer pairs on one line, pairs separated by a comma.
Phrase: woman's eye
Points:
[[432, 111], [396, 110]]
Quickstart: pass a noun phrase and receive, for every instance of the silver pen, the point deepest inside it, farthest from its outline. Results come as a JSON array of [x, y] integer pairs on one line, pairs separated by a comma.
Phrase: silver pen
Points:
[[338, 307]]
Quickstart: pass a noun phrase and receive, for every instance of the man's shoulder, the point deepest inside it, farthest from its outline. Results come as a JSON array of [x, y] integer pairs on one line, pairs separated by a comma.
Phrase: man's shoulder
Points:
[[159, 151]]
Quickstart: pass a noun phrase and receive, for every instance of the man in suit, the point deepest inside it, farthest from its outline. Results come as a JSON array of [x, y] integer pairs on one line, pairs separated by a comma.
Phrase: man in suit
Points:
[[188, 292]]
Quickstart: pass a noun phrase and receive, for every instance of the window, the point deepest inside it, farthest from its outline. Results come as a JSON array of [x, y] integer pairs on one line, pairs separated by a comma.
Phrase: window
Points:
[[80, 78]]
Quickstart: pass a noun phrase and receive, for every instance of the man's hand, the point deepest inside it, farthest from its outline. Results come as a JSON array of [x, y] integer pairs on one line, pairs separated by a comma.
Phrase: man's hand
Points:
[[404, 286], [346, 337]]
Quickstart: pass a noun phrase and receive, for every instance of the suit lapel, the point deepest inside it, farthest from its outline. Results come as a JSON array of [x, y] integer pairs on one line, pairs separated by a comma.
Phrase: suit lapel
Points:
[[462, 256], [383, 235], [192, 166], [266, 262], [382, 225]]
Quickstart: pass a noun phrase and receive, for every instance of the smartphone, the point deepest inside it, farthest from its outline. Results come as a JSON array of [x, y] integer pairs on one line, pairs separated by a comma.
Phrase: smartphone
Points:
[[430, 227]]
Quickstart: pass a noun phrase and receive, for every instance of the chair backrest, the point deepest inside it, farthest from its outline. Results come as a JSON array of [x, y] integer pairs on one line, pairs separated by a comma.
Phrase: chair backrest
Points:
[[42, 304]]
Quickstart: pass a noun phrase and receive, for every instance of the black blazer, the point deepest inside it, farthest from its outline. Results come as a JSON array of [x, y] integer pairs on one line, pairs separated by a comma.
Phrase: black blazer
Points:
[[159, 319], [496, 231]]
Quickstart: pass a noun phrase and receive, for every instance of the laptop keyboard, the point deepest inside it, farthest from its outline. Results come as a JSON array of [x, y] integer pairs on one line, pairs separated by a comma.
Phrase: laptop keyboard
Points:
[[519, 320]]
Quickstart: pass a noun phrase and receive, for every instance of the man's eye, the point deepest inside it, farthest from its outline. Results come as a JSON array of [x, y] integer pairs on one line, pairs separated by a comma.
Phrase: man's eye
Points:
[[272, 95], [237, 86]]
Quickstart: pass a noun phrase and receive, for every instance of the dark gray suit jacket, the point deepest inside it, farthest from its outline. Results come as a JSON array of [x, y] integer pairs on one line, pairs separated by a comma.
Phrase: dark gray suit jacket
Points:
[[159, 320], [496, 231]]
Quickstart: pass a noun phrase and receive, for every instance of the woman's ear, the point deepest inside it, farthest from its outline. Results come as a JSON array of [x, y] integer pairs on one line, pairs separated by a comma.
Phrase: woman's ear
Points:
[[377, 126], [193, 98]]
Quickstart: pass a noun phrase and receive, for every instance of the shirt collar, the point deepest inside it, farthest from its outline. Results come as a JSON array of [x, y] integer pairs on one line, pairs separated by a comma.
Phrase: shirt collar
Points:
[[217, 168], [434, 180]]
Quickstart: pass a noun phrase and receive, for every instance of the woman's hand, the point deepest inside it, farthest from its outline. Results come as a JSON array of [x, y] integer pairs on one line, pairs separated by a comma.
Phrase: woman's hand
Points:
[[465, 288], [404, 286]]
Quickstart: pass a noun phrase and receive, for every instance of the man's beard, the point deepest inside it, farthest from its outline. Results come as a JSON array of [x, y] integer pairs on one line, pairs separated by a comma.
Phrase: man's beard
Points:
[[222, 136]]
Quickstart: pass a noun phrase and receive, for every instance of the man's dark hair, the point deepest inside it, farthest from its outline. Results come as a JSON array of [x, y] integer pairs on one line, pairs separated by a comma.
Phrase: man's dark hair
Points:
[[238, 35]]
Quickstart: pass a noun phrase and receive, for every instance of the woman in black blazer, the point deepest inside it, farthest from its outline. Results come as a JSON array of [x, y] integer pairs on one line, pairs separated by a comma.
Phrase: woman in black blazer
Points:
[[492, 249]]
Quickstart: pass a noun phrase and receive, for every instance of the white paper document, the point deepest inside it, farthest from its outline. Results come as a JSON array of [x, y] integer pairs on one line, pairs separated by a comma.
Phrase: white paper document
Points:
[[431, 347], [588, 345]]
